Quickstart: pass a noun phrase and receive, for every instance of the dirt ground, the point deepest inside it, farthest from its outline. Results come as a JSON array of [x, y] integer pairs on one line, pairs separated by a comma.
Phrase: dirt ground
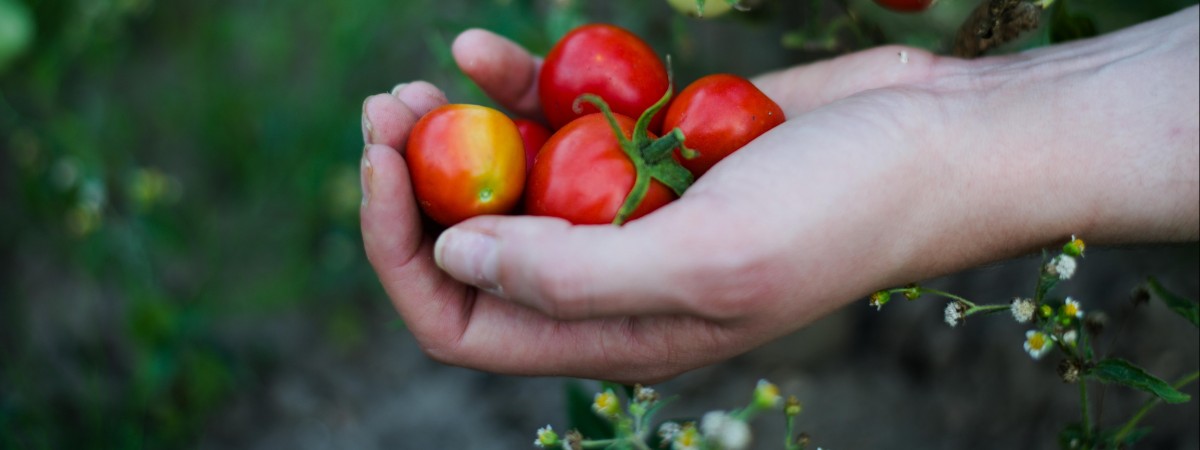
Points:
[[895, 379]]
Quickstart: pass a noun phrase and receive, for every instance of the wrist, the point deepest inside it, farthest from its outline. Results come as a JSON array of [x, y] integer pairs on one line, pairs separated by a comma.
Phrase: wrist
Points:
[[1097, 138]]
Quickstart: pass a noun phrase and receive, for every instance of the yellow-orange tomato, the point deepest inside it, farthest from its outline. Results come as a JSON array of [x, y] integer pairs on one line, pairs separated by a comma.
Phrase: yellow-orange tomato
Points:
[[465, 161]]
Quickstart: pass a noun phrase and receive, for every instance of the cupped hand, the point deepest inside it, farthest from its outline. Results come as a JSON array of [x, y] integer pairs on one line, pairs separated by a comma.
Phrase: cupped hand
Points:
[[865, 186]]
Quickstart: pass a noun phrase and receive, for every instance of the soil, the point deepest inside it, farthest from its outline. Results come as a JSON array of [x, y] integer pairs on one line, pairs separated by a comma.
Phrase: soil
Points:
[[899, 378]]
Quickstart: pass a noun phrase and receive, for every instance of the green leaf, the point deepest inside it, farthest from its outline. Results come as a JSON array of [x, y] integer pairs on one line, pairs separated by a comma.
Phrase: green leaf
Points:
[[1112, 440], [1068, 26], [16, 30], [1190, 310], [1073, 437], [1119, 371], [580, 415]]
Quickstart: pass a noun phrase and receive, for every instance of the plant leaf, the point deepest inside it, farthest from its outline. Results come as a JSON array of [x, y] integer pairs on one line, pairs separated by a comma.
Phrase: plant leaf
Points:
[[16, 30], [1190, 310], [1119, 371], [580, 415]]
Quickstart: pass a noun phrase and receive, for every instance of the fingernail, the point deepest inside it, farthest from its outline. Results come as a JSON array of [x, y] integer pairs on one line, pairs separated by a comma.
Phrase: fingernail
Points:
[[399, 87], [470, 257], [364, 175], [367, 131]]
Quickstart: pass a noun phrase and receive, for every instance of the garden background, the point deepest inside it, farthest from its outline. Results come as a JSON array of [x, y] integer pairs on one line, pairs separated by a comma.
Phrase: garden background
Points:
[[181, 265]]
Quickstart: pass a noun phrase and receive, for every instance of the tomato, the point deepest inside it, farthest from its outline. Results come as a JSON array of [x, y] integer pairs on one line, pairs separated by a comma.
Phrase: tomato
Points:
[[906, 5], [534, 136], [582, 175], [719, 114], [606, 61], [465, 161], [711, 8]]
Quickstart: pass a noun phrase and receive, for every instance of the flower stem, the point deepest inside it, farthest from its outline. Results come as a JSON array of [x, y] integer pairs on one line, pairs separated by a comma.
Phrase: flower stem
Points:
[[1149, 405], [940, 293], [601, 443], [985, 309], [1085, 411]]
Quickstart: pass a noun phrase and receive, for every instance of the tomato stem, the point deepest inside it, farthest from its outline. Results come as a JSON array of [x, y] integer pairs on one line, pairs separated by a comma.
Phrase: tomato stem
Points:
[[653, 159]]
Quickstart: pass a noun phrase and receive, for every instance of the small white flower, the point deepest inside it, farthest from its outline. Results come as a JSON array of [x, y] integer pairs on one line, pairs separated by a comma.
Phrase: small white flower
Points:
[[954, 313], [1038, 343], [668, 431], [687, 439], [729, 433], [1070, 338], [1062, 266], [1071, 308], [546, 437], [766, 395], [1023, 309], [606, 404]]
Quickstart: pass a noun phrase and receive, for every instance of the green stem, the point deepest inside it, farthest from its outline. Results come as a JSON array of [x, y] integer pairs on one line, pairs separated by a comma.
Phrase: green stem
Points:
[[789, 440], [1085, 411], [1149, 405], [641, 185], [602, 443], [970, 304], [985, 309]]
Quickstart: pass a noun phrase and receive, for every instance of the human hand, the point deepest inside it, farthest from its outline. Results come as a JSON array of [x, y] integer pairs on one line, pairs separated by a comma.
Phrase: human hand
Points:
[[868, 185]]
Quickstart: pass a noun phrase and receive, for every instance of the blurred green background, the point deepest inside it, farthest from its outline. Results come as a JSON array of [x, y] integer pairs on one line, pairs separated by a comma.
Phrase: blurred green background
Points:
[[180, 179]]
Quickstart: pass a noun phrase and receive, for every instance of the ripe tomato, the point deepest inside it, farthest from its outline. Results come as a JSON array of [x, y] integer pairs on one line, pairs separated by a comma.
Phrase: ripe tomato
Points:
[[583, 175], [606, 61], [465, 161], [534, 136], [906, 5], [719, 114]]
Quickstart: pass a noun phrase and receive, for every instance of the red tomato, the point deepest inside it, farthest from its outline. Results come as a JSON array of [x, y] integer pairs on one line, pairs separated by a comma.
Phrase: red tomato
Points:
[[606, 61], [534, 136], [906, 5], [582, 175], [719, 114], [465, 161]]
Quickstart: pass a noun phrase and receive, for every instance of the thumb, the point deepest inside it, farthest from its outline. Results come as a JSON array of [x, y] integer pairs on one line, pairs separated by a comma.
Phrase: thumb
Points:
[[575, 272]]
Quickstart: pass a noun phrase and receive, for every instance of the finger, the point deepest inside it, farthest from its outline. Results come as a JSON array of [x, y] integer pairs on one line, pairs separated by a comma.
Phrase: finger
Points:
[[388, 118], [666, 263], [504, 70], [420, 96], [456, 325], [802, 89], [433, 305]]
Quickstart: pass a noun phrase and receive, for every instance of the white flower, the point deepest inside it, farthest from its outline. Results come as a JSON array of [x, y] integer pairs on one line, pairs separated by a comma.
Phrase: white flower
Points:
[[1038, 343], [954, 313], [668, 431], [1062, 266], [1071, 308], [729, 433], [1070, 338], [606, 404], [687, 439], [546, 437], [766, 395], [1023, 309]]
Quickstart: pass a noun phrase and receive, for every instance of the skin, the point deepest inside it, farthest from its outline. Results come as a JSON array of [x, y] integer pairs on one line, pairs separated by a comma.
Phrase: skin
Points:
[[885, 173]]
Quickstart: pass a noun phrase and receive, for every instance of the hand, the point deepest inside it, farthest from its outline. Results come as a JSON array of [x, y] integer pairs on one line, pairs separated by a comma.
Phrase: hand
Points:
[[888, 170]]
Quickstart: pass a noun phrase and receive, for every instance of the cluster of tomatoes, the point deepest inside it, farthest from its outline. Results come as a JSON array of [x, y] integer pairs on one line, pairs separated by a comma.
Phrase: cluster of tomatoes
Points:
[[608, 97]]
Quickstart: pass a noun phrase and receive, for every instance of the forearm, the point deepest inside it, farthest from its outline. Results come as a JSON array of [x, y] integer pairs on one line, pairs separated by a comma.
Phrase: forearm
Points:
[[1104, 134], [1097, 138]]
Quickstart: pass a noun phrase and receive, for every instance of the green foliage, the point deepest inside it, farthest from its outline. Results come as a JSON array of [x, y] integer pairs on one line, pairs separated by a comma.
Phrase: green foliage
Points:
[[1068, 26], [1187, 309], [580, 415], [1119, 371], [16, 30]]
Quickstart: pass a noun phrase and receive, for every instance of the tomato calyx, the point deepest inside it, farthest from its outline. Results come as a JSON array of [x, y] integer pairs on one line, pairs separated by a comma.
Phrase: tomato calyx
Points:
[[652, 159]]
